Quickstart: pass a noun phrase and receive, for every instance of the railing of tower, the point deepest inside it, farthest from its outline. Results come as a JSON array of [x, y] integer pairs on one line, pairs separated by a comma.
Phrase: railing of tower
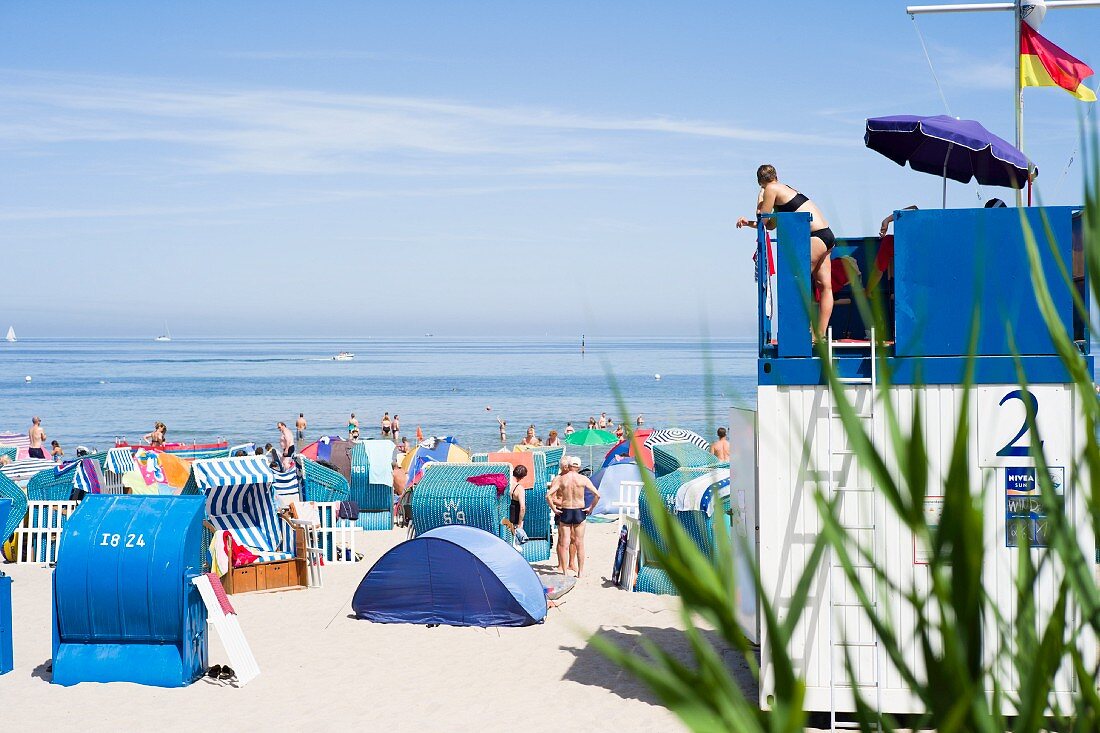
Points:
[[765, 294]]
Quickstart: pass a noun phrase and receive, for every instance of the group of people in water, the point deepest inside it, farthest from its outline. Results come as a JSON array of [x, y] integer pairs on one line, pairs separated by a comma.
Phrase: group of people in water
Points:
[[390, 427], [554, 438]]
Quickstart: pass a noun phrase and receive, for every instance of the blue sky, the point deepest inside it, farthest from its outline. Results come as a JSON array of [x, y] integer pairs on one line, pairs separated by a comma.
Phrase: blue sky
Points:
[[481, 168]]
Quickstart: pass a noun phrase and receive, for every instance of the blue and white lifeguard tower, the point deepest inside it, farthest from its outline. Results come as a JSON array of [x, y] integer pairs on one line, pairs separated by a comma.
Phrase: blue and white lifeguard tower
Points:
[[945, 267]]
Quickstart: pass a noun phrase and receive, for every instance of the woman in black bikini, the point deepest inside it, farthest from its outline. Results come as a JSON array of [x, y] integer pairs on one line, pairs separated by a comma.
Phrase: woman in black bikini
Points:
[[517, 507], [779, 197]]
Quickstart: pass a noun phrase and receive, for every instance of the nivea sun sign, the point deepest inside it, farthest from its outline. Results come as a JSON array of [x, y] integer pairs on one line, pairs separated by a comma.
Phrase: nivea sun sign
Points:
[[1020, 479]]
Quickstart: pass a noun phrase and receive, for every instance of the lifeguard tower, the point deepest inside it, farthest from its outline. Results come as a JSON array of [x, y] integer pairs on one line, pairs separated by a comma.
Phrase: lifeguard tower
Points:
[[945, 267]]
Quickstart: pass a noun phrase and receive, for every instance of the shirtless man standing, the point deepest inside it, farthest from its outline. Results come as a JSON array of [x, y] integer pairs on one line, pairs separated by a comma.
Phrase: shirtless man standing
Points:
[[286, 440], [37, 438], [300, 426], [567, 498], [721, 447]]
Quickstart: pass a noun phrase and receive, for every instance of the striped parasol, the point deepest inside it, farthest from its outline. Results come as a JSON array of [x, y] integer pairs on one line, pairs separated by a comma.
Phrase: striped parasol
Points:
[[675, 435]]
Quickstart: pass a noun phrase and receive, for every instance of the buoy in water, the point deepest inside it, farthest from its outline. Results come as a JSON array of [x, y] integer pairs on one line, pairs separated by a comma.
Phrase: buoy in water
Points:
[[27, 378], [657, 376], [488, 408]]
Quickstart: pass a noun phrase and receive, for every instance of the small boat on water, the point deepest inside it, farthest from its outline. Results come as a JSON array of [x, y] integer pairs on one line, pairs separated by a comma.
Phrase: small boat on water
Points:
[[10, 338], [344, 356], [166, 336]]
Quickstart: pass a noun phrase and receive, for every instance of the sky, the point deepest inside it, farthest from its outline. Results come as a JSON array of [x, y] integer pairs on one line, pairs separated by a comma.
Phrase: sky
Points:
[[356, 169]]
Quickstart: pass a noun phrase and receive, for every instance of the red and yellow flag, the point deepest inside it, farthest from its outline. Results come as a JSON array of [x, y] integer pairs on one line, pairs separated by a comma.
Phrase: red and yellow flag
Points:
[[1042, 64]]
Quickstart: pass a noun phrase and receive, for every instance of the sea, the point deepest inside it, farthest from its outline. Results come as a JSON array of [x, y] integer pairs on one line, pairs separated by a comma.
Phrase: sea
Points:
[[92, 392]]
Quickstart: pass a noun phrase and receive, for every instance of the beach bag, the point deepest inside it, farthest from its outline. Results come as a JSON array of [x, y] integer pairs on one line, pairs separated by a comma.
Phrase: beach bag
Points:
[[348, 510]]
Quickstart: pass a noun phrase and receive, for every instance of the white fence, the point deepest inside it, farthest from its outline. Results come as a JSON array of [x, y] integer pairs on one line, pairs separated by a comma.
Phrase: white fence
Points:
[[36, 540], [112, 483], [335, 536], [628, 500]]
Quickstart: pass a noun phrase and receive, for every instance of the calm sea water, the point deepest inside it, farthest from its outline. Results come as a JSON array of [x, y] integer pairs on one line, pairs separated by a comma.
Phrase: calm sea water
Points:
[[92, 391]]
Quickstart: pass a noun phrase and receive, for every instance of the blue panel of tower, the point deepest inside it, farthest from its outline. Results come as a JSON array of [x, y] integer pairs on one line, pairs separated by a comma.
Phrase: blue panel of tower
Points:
[[792, 268], [952, 264]]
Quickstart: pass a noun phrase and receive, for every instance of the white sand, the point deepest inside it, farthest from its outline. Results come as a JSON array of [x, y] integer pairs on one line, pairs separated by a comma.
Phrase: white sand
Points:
[[322, 669]]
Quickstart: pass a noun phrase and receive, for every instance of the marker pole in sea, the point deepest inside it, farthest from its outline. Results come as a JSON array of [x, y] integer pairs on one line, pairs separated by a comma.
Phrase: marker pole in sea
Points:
[[582, 343], [1021, 10]]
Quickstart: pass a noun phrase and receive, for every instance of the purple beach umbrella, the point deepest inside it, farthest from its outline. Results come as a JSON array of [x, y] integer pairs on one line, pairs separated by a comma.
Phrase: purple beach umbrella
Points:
[[948, 147]]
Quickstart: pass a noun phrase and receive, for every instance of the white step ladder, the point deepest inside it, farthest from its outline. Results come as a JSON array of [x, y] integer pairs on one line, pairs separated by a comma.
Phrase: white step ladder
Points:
[[223, 618], [857, 510]]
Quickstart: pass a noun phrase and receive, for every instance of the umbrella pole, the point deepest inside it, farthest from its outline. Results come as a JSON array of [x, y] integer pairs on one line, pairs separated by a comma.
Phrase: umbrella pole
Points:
[[945, 159]]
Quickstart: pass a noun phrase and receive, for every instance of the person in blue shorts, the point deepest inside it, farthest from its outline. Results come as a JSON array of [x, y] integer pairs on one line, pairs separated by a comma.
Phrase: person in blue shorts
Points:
[[567, 497]]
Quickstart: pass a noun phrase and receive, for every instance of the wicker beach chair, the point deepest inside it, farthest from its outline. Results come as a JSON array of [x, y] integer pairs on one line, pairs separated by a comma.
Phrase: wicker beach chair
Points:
[[51, 484], [537, 520], [11, 451], [9, 490], [375, 500], [547, 469], [241, 500], [652, 578], [444, 496], [322, 484], [668, 457]]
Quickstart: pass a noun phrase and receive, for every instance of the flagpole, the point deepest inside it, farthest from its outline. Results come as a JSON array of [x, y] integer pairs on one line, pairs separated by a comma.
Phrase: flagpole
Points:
[[1019, 90], [1015, 7]]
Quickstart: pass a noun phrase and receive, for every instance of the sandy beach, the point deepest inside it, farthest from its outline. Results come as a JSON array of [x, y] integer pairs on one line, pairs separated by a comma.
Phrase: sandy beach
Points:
[[322, 668]]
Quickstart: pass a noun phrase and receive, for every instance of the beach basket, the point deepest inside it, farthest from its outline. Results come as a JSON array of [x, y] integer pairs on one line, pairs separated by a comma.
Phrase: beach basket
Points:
[[51, 484], [375, 500], [547, 464], [668, 457], [652, 578], [322, 484], [9, 490], [444, 496], [537, 520]]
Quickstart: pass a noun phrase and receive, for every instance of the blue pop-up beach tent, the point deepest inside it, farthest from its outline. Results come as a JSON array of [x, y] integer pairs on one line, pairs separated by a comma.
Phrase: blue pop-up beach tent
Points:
[[454, 575]]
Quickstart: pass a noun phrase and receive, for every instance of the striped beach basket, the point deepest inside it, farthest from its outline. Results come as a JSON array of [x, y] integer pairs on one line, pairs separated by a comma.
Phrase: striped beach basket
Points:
[[375, 500], [652, 578]]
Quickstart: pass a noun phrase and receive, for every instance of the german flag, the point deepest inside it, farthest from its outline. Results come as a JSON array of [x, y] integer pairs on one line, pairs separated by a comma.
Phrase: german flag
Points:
[[1042, 64]]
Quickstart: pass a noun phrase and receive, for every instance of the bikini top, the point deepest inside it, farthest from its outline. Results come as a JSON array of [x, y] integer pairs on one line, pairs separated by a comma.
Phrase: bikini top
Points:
[[793, 205]]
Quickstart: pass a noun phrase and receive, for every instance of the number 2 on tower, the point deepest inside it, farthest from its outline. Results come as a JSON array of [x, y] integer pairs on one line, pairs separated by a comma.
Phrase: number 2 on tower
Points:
[[1031, 403]]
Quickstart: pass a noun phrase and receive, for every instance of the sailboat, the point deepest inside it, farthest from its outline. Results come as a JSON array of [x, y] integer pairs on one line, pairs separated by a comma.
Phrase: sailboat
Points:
[[10, 338], [166, 336]]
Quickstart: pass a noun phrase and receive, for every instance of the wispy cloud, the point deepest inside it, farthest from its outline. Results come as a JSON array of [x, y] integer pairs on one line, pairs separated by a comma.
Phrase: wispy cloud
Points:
[[321, 55], [289, 131], [299, 198], [962, 69]]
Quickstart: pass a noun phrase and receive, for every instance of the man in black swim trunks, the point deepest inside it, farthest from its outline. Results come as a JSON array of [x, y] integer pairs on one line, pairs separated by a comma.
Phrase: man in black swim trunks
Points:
[[567, 496], [37, 438]]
